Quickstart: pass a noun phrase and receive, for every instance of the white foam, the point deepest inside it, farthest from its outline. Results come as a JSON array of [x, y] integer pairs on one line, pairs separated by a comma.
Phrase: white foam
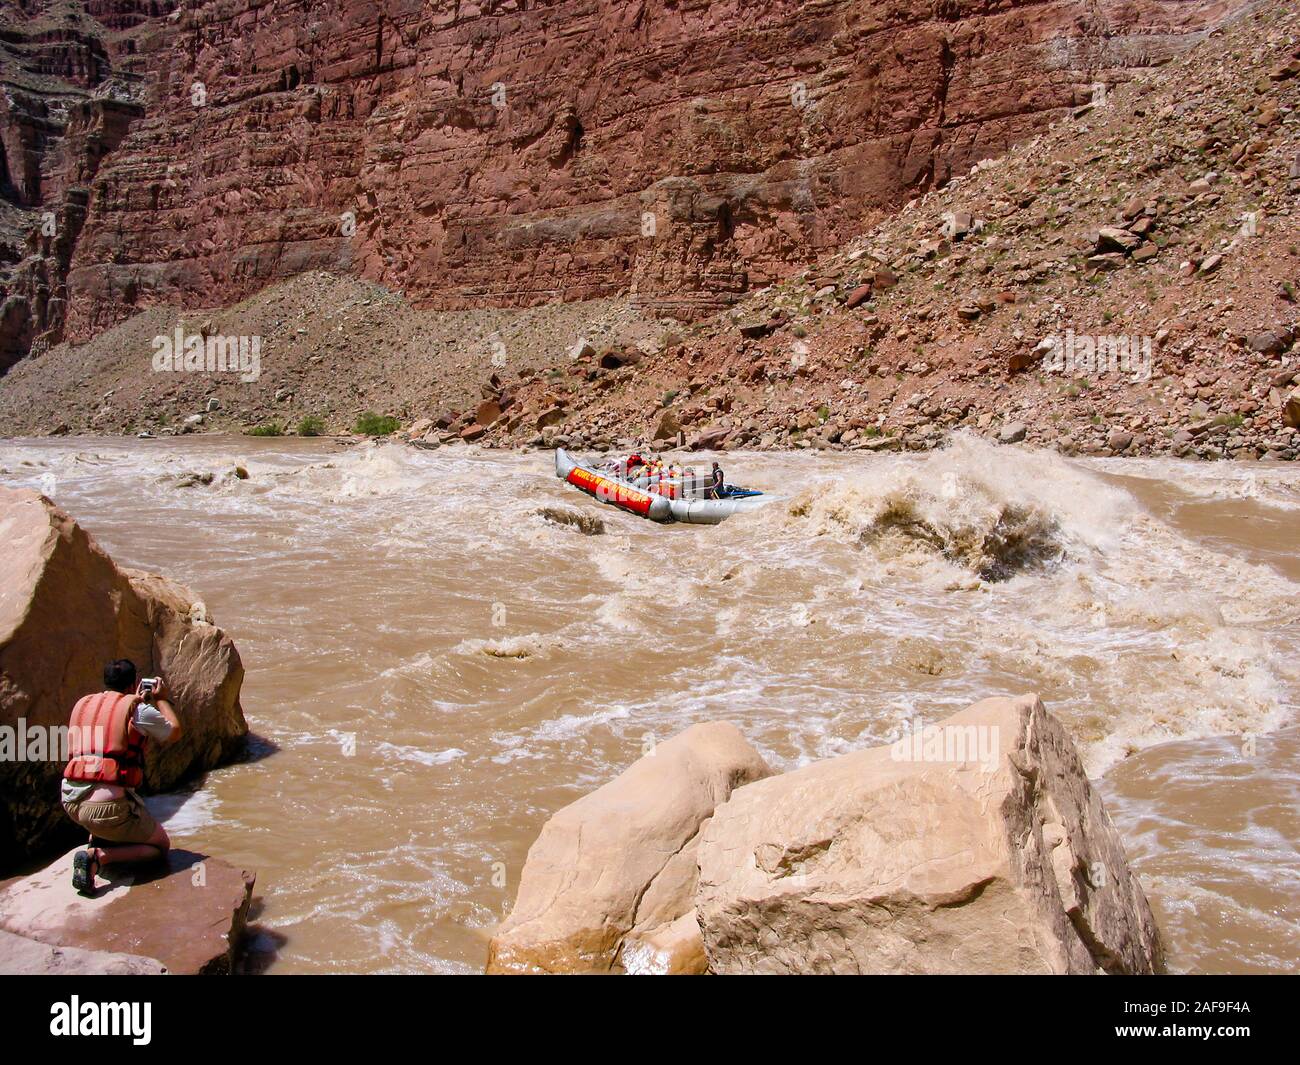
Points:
[[420, 757]]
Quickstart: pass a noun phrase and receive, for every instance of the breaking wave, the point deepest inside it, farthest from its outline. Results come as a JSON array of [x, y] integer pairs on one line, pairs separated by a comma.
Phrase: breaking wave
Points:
[[1020, 511], [369, 472]]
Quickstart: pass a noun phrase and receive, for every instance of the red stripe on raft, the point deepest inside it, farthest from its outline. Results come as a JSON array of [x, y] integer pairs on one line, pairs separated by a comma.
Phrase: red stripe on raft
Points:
[[608, 490]]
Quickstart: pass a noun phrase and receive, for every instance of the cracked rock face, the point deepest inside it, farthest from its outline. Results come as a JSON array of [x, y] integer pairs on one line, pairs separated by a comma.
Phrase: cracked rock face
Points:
[[974, 846], [620, 864]]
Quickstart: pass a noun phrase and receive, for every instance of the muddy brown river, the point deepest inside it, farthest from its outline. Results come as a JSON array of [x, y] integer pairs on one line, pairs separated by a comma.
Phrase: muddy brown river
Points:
[[438, 657]]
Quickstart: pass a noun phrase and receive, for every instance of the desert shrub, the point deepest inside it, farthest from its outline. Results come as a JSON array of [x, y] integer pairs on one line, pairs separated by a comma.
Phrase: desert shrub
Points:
[[372, 424]]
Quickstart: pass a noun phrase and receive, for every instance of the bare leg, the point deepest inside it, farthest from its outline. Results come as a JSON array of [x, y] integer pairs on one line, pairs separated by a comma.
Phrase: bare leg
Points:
[[156, 847]]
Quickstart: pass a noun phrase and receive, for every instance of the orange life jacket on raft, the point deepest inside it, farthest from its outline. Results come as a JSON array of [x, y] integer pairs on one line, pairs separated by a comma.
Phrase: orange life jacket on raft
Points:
[[106, 746]]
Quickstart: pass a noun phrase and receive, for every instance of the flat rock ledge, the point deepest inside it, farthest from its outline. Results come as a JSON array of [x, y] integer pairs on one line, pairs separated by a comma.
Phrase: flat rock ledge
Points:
[[184, 916]]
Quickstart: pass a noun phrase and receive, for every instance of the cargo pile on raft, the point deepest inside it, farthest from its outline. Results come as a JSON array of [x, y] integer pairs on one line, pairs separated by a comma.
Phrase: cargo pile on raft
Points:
[[664, 492]]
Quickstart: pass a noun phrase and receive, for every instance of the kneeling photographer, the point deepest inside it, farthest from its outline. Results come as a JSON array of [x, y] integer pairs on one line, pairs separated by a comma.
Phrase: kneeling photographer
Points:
[[107, 736]]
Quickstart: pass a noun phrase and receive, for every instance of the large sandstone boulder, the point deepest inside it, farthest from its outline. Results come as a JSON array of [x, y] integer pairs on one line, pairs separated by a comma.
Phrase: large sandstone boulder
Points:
[[621, 861], [979, 847], [186, 915], [65, 610]]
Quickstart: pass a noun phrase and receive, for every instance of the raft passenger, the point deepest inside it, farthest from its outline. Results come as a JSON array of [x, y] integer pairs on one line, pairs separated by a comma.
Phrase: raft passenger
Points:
[[716, 483]]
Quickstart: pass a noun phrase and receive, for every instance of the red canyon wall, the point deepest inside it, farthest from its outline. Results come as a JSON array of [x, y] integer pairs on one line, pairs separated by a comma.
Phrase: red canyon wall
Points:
[[516, 151]]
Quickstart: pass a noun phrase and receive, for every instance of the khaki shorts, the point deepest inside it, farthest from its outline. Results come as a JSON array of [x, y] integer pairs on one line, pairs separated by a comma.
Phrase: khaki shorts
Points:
[[124, 820]]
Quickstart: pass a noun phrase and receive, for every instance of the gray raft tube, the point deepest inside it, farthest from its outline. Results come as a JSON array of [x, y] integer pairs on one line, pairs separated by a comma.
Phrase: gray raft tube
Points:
[[692, 508]]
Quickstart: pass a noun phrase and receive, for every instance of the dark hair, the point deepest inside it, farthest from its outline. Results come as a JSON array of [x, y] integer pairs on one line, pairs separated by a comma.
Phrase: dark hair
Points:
[[119, 675]]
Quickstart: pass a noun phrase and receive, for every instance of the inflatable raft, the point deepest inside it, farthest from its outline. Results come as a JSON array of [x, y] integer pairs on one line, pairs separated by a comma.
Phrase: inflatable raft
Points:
[[680, 499]]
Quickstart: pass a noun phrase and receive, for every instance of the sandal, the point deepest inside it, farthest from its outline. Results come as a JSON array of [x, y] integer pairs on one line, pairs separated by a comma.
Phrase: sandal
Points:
[[84, 868]]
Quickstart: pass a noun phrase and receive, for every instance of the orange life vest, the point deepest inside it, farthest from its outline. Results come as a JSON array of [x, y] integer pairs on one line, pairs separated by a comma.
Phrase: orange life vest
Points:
[[106, 746]]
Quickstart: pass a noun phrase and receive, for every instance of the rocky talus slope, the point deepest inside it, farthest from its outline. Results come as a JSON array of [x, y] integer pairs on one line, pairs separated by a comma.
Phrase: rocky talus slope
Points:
[[331, 347], [1165, 218]]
